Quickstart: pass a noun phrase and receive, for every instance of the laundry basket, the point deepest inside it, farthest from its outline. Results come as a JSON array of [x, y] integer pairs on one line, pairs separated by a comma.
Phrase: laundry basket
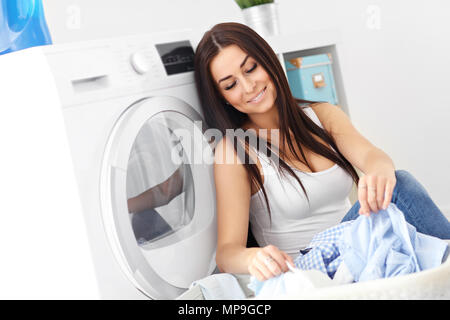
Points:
[[426, 285]]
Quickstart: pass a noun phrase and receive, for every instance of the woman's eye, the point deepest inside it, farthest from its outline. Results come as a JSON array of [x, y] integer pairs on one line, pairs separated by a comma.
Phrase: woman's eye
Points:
[[248, 71], [252, 68], [230, 86]]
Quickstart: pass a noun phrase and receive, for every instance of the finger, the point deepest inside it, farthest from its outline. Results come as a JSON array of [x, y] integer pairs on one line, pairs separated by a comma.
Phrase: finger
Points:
[[372, 193], [278, 257], [381, 187], [261, 266], [388, 194], [289, 259], [262, 269], [272, 265], [362, 196], [256, 273], [372, 199], [267, 265]]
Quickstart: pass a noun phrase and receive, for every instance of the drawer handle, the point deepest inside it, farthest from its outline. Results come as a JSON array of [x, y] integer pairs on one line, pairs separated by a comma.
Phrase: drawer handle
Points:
[[318, 80]]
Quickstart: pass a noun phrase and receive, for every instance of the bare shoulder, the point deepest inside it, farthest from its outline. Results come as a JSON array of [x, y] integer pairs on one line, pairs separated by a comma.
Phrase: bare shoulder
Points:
[[227, 164], [228, 167], [331, 116], [225, 153]]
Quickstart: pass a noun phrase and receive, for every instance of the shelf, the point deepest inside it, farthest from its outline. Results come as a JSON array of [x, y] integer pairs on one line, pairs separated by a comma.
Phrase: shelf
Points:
[[288, 46]]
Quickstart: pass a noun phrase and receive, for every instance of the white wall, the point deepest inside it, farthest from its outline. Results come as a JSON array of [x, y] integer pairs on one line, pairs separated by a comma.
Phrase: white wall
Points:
[[74, 20], [393, 57]]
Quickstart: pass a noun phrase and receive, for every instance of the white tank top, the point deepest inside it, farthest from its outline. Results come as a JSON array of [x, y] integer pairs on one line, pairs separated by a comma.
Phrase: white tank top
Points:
[[294, 222]]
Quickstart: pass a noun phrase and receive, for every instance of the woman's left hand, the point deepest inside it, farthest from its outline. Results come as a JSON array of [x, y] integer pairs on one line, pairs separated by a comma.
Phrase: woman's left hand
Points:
[[375, 191]]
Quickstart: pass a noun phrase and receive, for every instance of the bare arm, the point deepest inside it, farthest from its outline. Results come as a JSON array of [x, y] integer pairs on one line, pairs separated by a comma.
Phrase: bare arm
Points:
[[376, 186], [158, 195], [233, 192], [231, 182], [359, 151]]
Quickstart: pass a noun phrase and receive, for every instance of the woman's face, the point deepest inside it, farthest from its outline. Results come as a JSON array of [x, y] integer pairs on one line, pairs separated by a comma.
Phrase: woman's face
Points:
[[242, 81]]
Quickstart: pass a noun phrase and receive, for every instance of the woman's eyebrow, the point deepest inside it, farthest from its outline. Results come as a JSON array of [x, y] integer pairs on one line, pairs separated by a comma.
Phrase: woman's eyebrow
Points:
[[243, 62]]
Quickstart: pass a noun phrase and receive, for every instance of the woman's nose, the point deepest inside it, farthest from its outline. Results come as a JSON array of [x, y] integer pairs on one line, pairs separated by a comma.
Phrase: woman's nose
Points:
[[248, 84]]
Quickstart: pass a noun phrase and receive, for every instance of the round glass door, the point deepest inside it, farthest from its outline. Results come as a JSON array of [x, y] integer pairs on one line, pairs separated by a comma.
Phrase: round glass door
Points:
[[158, 199], [160, 188]]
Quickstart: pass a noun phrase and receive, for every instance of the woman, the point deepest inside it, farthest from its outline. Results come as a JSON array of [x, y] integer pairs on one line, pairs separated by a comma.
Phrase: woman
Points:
[[241, 85]]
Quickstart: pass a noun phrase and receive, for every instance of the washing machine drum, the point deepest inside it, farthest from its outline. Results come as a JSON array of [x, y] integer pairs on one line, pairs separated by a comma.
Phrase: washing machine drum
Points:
[[158, 200]]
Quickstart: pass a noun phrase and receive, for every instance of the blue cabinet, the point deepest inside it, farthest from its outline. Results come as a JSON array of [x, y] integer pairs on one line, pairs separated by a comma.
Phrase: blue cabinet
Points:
[[311, 78]]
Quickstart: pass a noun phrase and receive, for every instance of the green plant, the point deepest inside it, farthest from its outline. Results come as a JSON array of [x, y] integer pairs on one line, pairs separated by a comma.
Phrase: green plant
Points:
[[251, 3]]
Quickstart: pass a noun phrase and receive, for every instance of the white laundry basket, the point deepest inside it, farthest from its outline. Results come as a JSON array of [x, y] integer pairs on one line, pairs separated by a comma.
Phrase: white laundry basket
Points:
[[426, 285]]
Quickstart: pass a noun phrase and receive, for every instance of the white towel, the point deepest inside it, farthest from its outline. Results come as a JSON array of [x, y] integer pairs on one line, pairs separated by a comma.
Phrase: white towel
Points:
[[221, 286]]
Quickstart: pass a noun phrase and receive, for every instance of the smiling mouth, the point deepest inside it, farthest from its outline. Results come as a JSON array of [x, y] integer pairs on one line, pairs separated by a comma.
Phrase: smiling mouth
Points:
[[258, 97]]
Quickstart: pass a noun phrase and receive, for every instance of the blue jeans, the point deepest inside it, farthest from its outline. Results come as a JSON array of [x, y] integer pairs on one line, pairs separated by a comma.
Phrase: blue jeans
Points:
[[415, 203]]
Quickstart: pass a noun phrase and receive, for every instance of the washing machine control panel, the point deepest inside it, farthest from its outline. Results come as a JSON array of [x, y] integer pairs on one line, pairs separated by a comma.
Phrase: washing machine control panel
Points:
[[175, 57], [155, 64], [109, 68]]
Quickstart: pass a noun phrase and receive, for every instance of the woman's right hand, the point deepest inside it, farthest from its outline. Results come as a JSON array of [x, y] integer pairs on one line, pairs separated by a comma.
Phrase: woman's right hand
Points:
[[268, 262]]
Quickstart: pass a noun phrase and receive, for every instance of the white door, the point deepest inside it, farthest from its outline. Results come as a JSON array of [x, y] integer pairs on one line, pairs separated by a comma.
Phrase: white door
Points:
[[157, 196]]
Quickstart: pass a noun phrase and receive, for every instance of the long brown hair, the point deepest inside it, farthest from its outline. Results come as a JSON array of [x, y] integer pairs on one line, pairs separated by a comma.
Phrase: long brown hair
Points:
[[222, 117]]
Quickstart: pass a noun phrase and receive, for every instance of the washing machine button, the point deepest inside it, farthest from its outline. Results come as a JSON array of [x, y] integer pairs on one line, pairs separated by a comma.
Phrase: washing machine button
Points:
[[140, 62]]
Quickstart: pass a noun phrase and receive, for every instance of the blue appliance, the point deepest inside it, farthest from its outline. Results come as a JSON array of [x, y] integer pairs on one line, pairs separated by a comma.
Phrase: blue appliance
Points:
[[311, 78], [22, 25]]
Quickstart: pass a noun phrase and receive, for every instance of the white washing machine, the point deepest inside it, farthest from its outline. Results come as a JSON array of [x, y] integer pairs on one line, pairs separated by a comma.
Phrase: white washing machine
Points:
[[131, 128]]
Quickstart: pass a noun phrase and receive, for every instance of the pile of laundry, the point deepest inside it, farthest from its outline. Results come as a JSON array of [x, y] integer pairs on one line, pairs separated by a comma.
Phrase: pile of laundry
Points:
[[382, 245], [379, 246]]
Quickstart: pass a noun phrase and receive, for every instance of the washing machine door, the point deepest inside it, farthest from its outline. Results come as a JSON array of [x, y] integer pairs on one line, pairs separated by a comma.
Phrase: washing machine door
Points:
[[157, 196]]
